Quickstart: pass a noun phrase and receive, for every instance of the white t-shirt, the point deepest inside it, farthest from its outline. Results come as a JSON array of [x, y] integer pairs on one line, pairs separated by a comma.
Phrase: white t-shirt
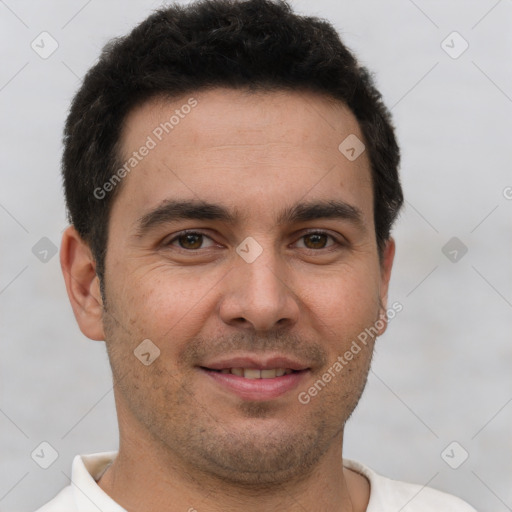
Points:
[[386, 495]]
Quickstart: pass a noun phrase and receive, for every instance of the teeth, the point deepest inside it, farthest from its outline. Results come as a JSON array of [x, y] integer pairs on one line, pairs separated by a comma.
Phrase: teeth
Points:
[[253, 373]]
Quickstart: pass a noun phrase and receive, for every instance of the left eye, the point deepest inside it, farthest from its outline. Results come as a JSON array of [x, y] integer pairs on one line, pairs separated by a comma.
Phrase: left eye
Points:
[[192, 240], [316, 240]]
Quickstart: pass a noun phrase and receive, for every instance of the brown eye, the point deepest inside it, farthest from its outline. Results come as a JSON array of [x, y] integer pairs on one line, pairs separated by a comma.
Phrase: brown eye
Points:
[[315, 240], [318, 240], [191, 241]]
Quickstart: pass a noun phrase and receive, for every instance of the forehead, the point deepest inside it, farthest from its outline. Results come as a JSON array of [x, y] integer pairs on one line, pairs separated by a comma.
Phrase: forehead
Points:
[[222, 116], [237, 148]]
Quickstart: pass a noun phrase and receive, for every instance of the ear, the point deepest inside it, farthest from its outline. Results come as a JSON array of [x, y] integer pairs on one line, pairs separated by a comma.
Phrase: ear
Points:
[[386, 264], [82, 284]]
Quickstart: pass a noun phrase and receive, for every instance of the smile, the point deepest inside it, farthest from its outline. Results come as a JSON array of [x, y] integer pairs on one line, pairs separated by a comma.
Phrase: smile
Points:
[[254, 373], [256, 384]]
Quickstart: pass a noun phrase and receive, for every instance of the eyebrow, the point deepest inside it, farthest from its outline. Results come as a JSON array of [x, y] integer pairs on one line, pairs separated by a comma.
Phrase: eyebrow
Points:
[[175, 210]]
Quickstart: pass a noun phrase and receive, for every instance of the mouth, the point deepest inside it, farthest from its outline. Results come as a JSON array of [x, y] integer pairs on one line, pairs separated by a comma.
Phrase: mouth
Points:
[[254, 373], [256, 380]]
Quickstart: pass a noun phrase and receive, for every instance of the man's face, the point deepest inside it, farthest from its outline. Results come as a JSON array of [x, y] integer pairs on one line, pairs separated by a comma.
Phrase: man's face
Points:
[[276, 286]]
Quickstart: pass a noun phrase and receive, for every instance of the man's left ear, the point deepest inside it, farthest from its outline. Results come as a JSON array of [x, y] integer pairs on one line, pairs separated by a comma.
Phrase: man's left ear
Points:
[[82, 284], [388, 255]]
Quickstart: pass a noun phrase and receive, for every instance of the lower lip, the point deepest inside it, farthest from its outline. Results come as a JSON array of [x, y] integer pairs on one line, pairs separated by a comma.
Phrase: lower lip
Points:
[[257, 389]]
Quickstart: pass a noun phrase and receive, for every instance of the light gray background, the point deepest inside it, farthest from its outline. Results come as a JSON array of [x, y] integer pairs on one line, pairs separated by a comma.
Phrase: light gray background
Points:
[[441, 372]]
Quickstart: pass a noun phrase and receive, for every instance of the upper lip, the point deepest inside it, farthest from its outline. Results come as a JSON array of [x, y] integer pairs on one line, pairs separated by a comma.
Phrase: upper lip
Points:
[[256, 362]]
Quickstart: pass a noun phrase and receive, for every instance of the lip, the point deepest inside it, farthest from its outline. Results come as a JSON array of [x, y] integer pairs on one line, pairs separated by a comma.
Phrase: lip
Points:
[[267, 363], [256, 389]]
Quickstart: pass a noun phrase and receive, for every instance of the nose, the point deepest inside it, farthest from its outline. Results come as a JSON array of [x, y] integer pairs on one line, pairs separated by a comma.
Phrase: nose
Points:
[[260, 295]]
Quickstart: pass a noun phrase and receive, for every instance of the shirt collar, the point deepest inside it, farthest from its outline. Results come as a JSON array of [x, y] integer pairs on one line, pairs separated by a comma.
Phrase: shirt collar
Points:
[[87, 494]]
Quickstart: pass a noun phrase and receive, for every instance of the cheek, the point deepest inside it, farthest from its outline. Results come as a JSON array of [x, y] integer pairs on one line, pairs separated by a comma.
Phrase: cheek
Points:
[[165, 303], [346, 299]]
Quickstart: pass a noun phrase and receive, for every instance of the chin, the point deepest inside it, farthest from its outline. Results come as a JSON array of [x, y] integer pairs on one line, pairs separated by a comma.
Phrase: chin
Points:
[[257, 455]]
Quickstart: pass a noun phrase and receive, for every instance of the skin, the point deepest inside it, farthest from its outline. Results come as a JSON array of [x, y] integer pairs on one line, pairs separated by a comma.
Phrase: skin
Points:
[[185, 442]]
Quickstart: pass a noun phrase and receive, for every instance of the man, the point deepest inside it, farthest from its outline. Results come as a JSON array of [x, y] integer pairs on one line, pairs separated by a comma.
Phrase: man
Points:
[[231, 176]]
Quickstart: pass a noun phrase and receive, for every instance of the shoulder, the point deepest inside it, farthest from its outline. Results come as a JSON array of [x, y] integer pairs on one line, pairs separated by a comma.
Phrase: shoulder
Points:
[[389, 494]]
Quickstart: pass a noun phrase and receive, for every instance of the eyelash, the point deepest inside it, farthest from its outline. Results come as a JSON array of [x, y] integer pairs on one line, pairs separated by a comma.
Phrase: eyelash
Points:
[[336, 241]]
